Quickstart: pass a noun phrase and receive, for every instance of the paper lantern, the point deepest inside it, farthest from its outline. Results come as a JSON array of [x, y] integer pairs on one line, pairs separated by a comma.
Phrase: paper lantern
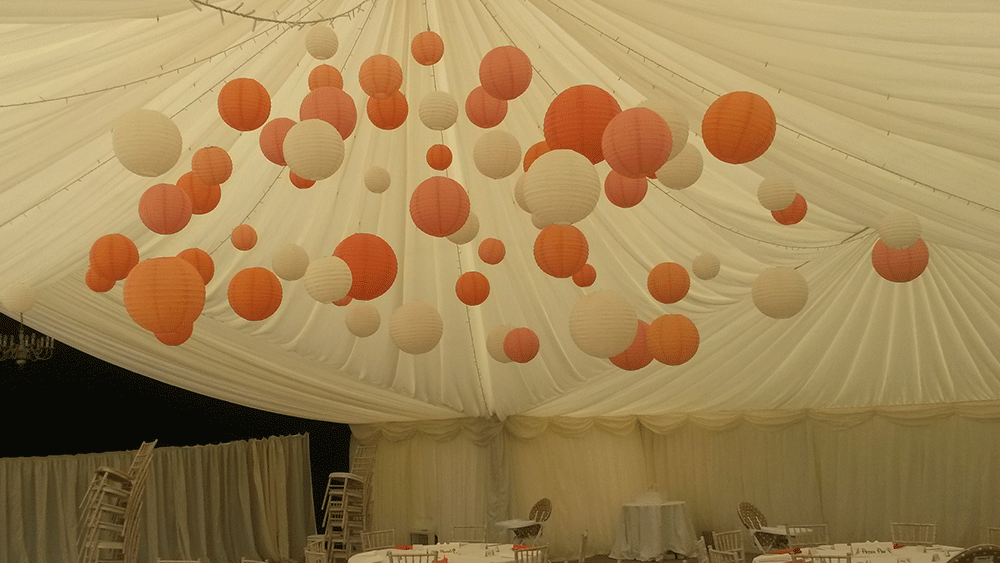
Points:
[[903, 265], [497, 154], [637, 355], [668, 282], [602, 324], [483, 110], [439, 157], [495, 340], [670, 111], [372, 262], [521, 345], [438, 110], [333, 106], [272, 138], [672, 339], [705, 266], [562, 188], [519, 198], [177, 337], [738, 127], [492, 251], [202, 262], [899, 229], [244, 237], [540, 222], [300, 182], [362, 319], [427, 48], [343, 301], [683, 170], [377, 179], [576, 120], [776, 193], [290, 262], [636, 143], [561, 250], [325, 76], [472, 288], [254, 293], [98, 283], [468, 231], [327, 279], [439, 206], [505, 72], [18, 298], [164, 295], [793, 213], [389, 113], [244, 104], [780, 292], [623, 191], [146, 142], [534, 151], [165, 209], [380, 76], [322, 42], [212, 165], [416, 327], [204, 197], [113, 256], [313, 149], [586, 276]]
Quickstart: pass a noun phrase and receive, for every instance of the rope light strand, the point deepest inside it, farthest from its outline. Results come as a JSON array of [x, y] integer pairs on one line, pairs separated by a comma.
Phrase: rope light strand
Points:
[[289, 22]]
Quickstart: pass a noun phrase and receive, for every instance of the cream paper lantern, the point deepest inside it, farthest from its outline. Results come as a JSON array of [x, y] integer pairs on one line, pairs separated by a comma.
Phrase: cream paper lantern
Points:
[[519, 198], [705, 266], [497, 154], [313, 149], [669, 110], [416, 327], [322, 42], [146, 142], [18, 298], [377, 179], [780, 292], [683, 170], [290, 262], [362, 318], [539, 222], [563, 187], [776, 193], [438, 110], [328, 279], [468, 231], [899, 229], [494, 343], [603, 324]]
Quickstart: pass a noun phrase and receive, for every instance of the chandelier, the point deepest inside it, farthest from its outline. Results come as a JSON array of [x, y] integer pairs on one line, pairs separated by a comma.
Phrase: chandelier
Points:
[[23, 348]]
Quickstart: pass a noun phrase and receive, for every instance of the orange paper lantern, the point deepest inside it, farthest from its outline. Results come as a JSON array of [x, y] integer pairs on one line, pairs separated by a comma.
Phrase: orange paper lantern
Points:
[[204, 197], [164, 295], [636, 143], [389, 113], [521, 345], [586, 276], [439, 157], [793, 213], [672, 339], [380, 76], [561, 250], [439, 206], [427, 48], [668, 282], [325, 76], [272, 139], [903, 265], [175, 338], [113, 256], [201, 261], [254, 293], [492, 251], [300, 182], [372, 262], [333, 106], [472, 288], [346, 300], [212, 165], [505, 72], [483, 109], [534, 151], [576, 120], [244, 104], [637, 355], [165, 209], [738, 127], [244, 237], [97, 282], [624, 192]]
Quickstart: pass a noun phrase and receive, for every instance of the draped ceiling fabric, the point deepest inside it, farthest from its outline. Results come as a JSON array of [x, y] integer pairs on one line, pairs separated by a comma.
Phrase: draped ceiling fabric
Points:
[[880, 106]]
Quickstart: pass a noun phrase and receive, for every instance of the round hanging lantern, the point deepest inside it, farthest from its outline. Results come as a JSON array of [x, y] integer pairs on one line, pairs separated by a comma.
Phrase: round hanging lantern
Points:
[[637, 355], [562, 188], [327, 279], [505, 72], [377, 179], [204, 197], [636, 143], [146, 142], [561, 250], [290, 262], [380, 76], [98, 283], [899, 229], [438, 110], [793, 213], [439, 206], [492, 251], [603, 324], [586, 276], [427, 48], [244, 237], [212, 165], [780, 292], [362, 319], [272, 137], [165, 209], [534, 151], [672, 339], [343, 301], [468, 231], [624, 192], [670, 112], [416, 327], [439, 157], [683, 170], [705, 266], [201, 261], [314, 149], [18, 298], [164, 294], [521, 345], [576, 120], [113, 256], [668, 282], [389, 113], [472, 288], [519, 197], [177, 337], [372, 262], [300, 182], [244, 104], [776, 193], [495, 340], [322, 42], [483, 110], [738, 127], [325, 76], [497, 154], [539, 221], [333, 106], [254, 293], [900, 266]]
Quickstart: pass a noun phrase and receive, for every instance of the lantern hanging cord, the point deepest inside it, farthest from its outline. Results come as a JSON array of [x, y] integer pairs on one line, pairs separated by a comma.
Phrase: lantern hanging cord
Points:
[[290, 22]]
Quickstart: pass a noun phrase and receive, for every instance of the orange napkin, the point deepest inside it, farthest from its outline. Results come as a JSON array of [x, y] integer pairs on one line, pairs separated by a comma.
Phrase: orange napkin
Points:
[[403, 547], [898, 545], [790, 550], [519, 547]]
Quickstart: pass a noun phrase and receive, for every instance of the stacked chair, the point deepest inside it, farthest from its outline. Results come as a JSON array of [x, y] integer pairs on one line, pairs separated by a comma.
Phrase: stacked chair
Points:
[[362, 465], [110, 510], [343, 518]]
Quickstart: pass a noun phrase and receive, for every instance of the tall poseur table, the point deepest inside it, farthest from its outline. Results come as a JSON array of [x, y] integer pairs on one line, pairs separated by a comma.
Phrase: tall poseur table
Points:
[[647, 532]]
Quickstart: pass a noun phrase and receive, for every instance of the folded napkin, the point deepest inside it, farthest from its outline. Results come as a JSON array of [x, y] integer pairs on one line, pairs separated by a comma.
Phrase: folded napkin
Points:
[[404, 547], [789, 550], [519, 547], [897, 545]]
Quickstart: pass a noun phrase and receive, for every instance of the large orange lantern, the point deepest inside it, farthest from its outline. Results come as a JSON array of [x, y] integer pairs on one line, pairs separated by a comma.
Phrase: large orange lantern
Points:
[[668, 282], [738, 127], [427, 48], [325, 76], [272, 138], [439, 206], [636, 143], [113, 256], [164, 295], [332, 105], [623, 191], [439, 157], [212, 165], [505, 72], [254, 293], [380, 76], [244, 104], [576, 120], [483, 110], [372, 262], [793, 213], [534, 151], [201, 260], [637, 355], [472, 288], [900, 266], [672, 339], [492, 251], [561, 250], [204, 197], [389, 113], [165, 209], [521, 345]]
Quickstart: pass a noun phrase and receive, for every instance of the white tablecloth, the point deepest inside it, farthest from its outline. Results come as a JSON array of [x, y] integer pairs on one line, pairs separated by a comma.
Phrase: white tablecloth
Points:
[[905, 554], [647, 532], [455, 552]]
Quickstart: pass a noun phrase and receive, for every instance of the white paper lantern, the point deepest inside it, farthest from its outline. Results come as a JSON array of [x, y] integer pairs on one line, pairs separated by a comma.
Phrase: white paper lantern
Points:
[[322, 42], [563, 187], [494, 342], [377, 179], [328, 279], [776, 193], [899, 229], [519, 198], [497, 154], [290, 262], [438, 110], [416, 327], [468, 231], [362, 318], [18, 298], [603, 324], [683, 170], [313, 149], [780, 292], [539, 222], [147, 142], [670, 111], [705, 266]]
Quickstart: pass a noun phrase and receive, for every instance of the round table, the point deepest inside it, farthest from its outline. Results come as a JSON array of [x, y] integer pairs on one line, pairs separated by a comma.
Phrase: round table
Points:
[[648, 531]]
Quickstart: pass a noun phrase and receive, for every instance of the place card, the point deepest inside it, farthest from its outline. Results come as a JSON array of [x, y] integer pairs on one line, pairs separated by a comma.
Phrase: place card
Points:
[[871, 548]]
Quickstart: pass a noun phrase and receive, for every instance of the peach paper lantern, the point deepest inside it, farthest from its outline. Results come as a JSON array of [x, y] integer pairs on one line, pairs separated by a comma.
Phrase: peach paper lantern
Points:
[[372, 262], [637, 355], [164, 295], [254, 293], [244, 237], [300, 182], [497, 154], [561, 250], [328, 279], [521, 345], [201, 260], [576, 120], [483, 110], [177, 337], [322, 42], [343, 301], [362, 319], [113, 256], [672, 339], [683, 170], [165, 209], [468, 231], [636, 143], [534, 151], [738, 127], [899, 229], [388, 114], [438, 110], [146, 142], [668, 282], [290, 262], [380, 76], [244, 104], [472, 288], [793, 213], [439, 206], [416, 327], [18, 297], [314, 149], [603, 324], [780, 292], [900, 265], [325, 76], [204, 197], [776, 193], [562, 187], [212, 165], [705, 266], [427, 48], [272, 137], [439, 157], [586, 276], [623, 191], [377, 179], [333, 106], [670, 111], [98, 283], [505, 72], [492, 251], [494, 342]]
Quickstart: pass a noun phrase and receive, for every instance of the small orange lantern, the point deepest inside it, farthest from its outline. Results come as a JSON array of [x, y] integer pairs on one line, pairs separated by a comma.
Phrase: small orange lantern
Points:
[[164, 295], [521, 345], [738, 127], [624, 192], [439, 206], [505, 72], [201, 261], [483, 110], [97, 282], [427, 48], [113, 256], [439, 157], [325, 76], [165, 209], [372, 263], [793, 213], [492, 251], [244, 104], [380, 76], [672, 339], [668, 282], [254, 293], [272, 139], [204, 197], [389, 113], [212, 165], [472, 288], [332, 105], [561, 250], [576, 120], [637, 355], [900, 266], [244, 237], [636, 143], [534, 151], [586, 276]]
